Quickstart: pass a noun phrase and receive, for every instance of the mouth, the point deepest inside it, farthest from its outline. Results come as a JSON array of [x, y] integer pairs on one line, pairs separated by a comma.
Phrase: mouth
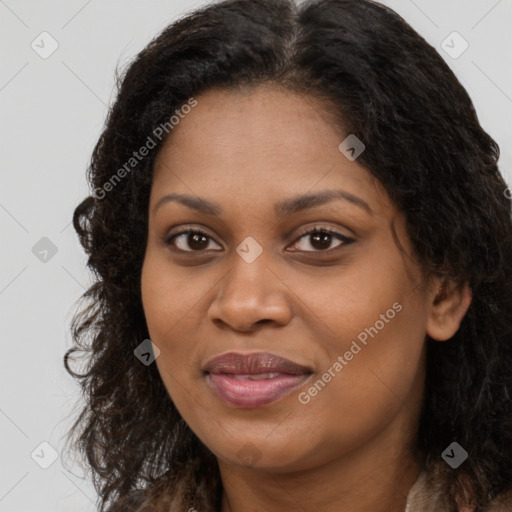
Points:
[[253, 380]]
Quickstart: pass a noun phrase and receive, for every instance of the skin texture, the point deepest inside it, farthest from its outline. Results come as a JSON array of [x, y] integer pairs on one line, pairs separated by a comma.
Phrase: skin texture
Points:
[[349, 445]]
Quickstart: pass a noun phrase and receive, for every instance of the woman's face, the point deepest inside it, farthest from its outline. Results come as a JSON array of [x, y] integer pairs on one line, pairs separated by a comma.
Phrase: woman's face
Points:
[[345, 307]]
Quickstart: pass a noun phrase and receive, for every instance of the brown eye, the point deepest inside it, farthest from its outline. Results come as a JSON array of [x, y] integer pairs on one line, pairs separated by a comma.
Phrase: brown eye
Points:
[[190, 240], [320, 239]]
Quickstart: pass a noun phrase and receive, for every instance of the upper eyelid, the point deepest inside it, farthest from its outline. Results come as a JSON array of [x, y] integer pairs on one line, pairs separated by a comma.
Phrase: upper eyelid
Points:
[[307, 231]]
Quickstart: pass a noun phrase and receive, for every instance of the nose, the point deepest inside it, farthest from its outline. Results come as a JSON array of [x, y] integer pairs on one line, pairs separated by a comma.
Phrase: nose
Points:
[[250, 295]]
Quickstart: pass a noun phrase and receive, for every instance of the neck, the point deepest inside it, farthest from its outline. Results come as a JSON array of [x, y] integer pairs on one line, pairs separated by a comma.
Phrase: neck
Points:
[[357, 482]]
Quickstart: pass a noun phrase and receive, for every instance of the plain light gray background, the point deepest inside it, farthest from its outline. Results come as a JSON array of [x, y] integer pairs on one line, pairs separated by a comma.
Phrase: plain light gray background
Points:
[[52, 112]]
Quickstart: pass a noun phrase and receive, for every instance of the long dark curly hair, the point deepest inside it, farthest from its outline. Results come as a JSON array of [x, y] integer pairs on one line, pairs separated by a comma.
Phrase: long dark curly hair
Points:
[[424, 143]]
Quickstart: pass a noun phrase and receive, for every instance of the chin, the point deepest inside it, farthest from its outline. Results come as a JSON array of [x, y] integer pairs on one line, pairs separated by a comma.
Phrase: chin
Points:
[[262, 454]]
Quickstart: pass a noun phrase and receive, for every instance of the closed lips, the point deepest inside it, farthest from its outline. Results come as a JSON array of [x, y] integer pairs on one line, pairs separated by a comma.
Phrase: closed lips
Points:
[[258, 363], [253, 380]]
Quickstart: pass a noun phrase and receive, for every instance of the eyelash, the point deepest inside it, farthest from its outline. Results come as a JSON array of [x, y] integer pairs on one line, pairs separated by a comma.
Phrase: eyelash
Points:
[[315, 230]]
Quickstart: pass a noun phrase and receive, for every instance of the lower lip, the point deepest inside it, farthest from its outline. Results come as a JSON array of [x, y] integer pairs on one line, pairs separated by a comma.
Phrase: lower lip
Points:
[[253, 393]]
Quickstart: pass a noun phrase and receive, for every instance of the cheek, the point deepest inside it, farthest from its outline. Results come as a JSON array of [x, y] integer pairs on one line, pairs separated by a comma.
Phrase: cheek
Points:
[[373, 351], [169, 299], [380, 371], [172, 306]]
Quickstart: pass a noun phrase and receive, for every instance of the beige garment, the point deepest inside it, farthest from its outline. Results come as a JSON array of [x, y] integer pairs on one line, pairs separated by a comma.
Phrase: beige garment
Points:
[[425, 496]]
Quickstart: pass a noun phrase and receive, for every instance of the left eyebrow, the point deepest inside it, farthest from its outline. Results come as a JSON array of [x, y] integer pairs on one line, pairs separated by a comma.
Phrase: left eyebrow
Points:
[[302, 202], [283, 208]]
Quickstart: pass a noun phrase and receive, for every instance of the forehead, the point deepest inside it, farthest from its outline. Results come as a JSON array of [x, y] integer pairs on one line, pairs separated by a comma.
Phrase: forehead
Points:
[[263, 141], [229, 124]]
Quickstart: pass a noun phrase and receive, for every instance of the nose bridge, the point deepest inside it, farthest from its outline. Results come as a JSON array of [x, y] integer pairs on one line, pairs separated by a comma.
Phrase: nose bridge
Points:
[[250, 292], [249, 274]]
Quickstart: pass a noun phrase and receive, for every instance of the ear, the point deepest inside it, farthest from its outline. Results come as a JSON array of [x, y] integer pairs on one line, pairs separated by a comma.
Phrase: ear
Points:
[[448, 305]]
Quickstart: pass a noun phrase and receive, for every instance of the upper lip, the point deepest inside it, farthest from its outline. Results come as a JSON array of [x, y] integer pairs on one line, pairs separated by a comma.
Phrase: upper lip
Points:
[[253, 364]]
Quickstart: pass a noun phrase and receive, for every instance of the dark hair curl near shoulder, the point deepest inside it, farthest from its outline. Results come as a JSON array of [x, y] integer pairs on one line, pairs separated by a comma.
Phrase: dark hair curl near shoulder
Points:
[[424, 143]]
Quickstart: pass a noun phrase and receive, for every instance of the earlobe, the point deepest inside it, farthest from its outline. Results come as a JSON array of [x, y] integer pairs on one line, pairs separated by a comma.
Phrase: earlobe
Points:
[[447, 308]]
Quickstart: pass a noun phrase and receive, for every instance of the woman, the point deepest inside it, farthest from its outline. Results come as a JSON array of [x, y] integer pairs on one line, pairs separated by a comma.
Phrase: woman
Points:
[[303, 256]]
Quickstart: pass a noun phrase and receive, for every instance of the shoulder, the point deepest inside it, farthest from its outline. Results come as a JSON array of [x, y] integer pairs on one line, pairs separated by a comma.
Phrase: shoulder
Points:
[[502, 503], [134, 501], [426, 496], [163, 494]]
